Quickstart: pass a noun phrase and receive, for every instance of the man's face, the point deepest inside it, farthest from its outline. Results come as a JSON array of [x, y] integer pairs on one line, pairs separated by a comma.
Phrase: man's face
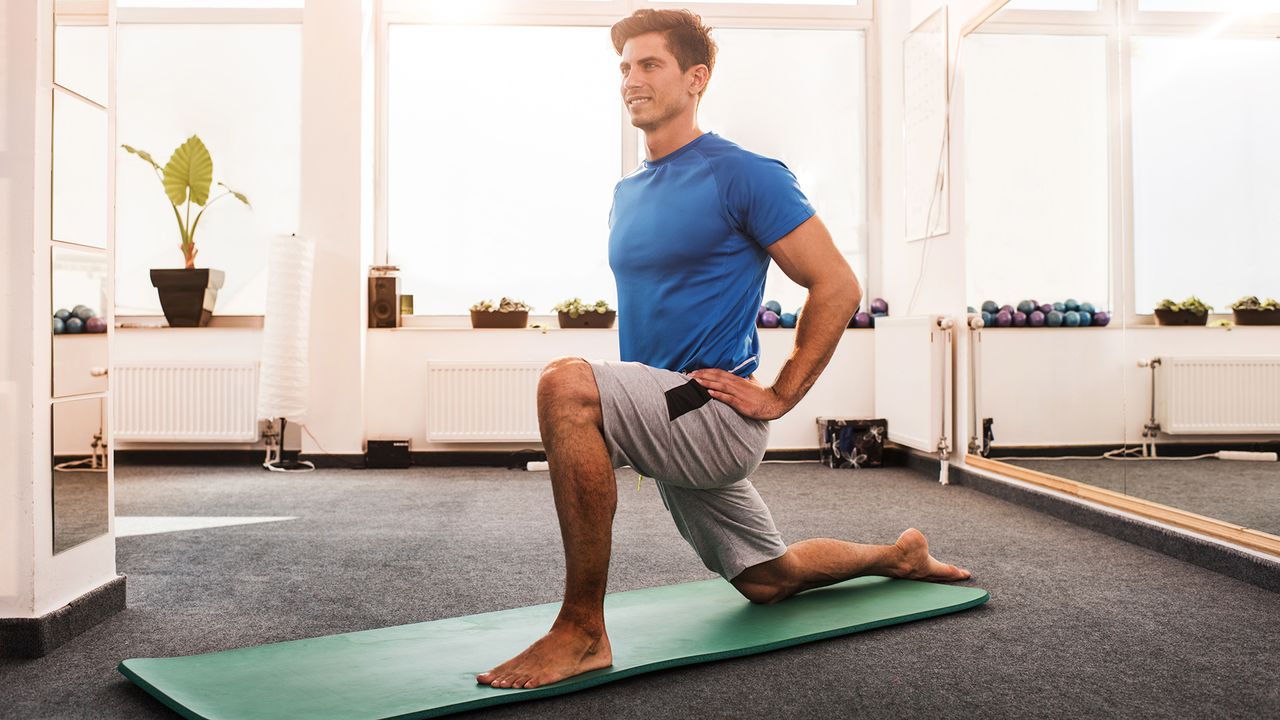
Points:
[[653, 88]]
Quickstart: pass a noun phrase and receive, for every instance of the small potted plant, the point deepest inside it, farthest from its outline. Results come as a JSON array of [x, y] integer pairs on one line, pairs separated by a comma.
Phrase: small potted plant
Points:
[[507, 313], [574, 313], [1252, 311], [1191, 311], [187, 296]]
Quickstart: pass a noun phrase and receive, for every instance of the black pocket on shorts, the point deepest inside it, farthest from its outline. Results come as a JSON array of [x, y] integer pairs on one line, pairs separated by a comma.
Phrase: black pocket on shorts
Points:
[[684, 398]]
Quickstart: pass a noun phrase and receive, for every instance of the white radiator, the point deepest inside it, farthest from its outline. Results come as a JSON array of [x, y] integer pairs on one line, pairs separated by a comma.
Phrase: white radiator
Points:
[[913, 380], [483, 401], [1218, 395], [183, 402]]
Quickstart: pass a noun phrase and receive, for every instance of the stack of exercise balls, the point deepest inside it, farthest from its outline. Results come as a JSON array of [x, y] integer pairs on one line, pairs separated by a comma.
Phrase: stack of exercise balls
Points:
[[1029, 313], [80, 319], [771, 315], [878, 309]]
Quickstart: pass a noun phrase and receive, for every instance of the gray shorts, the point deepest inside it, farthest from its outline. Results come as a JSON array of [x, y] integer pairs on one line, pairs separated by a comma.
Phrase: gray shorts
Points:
[[700, 453]]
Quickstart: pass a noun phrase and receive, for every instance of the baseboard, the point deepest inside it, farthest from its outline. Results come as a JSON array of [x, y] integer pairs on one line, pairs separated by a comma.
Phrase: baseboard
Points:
[[37, 637]]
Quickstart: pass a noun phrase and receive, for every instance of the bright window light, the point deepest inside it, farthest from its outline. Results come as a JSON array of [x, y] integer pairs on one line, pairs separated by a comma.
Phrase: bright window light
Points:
[[205, 4], [1067, 5], [815, 122], [1206, 180], [500, 178], [1210, 6], [237, 87], [1036, 189]]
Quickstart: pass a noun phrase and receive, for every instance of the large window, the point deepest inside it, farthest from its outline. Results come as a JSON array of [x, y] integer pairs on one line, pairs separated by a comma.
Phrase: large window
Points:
[[815, 122], [1206, 166], [1036, 164], [238, 88], [500, 179]]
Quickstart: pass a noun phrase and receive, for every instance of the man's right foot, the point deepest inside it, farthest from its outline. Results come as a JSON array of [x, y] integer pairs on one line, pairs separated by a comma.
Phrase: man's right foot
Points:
[[918, 564], [565, 651]]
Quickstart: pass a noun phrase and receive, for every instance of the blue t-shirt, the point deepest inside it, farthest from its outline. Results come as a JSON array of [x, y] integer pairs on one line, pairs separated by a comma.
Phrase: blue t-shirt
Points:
[[687, 239]]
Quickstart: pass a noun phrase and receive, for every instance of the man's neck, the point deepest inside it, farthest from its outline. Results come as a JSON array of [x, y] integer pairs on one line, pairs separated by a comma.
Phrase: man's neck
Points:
[[666, 140]]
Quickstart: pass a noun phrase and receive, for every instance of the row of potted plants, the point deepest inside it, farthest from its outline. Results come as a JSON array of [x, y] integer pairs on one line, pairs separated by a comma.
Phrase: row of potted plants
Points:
[[1193, 311], [572, 313]]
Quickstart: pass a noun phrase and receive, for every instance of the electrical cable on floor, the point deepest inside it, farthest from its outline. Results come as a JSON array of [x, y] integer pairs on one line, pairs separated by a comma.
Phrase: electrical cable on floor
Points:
[[326, 453]]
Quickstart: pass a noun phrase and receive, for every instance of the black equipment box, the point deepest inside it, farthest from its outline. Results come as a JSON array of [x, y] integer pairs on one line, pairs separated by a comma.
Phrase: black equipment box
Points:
[[851, 442], [387, 454]]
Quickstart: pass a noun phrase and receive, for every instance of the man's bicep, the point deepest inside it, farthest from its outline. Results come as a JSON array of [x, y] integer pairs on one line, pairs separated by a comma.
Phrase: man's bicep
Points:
[[808, 255]]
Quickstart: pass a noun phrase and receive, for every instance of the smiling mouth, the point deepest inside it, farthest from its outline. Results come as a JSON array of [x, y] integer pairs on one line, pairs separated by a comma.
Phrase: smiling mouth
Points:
[[637, 101]]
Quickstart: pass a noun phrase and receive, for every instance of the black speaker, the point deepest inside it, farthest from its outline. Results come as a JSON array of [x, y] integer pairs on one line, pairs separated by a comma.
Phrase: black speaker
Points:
[[387, 454], [384, 302]]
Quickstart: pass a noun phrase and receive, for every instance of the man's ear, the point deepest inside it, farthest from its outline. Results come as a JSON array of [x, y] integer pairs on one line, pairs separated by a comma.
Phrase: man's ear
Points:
[[701, 76]]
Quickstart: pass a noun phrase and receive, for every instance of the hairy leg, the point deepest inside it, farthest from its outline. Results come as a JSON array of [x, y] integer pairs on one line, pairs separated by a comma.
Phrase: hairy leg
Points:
[[820, 562], [586, 496]]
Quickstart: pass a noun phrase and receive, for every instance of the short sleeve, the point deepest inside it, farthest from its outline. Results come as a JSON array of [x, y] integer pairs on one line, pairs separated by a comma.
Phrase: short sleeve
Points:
[[763, 198]]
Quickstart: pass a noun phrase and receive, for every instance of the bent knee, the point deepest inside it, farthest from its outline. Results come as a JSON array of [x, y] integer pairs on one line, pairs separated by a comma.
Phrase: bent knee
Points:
[[762, 593], [568, 381]]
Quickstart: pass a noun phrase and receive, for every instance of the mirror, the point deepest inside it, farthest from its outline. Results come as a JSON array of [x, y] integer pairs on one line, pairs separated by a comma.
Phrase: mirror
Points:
[[80, 48], [80, 510], [80, 172], [1042, 224], [79, 321], [1126, 194], [927, 166]]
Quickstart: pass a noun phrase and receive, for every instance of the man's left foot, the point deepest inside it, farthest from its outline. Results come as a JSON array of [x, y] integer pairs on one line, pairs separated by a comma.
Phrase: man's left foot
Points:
[[918, 564]]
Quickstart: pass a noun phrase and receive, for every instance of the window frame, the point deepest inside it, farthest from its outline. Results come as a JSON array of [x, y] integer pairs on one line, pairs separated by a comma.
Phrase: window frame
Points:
[[1120, 21], [604, 13]]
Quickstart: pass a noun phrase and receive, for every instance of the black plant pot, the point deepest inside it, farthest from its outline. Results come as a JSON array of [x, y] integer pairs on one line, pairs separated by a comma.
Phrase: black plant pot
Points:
[[187, 296]]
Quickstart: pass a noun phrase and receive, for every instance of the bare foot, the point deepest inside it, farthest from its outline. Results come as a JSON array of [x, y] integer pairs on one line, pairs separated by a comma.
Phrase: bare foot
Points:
[[918, 564], [565, 651]]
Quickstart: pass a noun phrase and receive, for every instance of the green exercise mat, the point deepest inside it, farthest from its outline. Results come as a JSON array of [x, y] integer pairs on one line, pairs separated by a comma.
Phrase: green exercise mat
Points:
[[428, 669]]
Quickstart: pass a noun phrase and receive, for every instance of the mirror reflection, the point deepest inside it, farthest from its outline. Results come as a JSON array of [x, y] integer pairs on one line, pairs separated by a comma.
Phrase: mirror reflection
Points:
[[80, 47], [80, 173], [1152, 201], [79, 323], [79, 472]]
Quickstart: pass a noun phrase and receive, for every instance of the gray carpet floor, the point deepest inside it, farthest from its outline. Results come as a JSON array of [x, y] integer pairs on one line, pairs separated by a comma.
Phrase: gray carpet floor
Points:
[[1244, 493], [1079, 624]]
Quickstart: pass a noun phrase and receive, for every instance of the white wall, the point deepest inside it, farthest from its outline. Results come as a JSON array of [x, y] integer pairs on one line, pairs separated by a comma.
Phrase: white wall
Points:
[[18, 123], [1082, 386], [334, 58]]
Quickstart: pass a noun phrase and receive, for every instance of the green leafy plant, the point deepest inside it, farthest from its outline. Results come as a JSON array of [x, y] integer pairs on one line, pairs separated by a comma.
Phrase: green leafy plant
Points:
[[575, 307], [1253, 303], [504, 305], [187, 179], [1192, 305]]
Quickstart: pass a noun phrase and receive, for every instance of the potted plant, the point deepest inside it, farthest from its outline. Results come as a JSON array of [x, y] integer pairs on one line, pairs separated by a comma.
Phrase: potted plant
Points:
[[1251, 311], [507, 313], [187, 296], [1188, 312], [574, 313]]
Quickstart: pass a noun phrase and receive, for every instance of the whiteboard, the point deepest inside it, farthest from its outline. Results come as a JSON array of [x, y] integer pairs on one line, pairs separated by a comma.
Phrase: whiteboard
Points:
[[925, 128]]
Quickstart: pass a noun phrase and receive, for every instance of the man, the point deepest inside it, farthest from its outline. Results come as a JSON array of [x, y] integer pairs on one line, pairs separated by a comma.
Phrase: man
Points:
[[692, 232]]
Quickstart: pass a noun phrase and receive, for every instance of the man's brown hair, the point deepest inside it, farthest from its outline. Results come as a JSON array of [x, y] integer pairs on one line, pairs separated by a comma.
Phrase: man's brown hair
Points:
[[687, 38]]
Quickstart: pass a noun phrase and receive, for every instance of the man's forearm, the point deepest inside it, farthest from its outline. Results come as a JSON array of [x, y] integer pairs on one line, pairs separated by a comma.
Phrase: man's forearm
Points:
[[822, 323]]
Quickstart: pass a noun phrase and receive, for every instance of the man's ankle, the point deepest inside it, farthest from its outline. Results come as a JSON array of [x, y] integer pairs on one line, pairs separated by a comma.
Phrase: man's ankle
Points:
[[590, 624]]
